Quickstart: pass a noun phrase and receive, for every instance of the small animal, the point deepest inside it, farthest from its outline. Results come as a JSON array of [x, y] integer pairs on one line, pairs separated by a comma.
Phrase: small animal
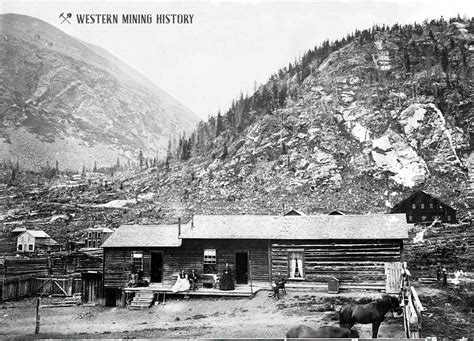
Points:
[[328, 332]]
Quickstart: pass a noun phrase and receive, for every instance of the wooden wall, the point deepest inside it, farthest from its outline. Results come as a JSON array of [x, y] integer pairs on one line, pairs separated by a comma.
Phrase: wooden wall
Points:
[[118, 261], [352, 262]]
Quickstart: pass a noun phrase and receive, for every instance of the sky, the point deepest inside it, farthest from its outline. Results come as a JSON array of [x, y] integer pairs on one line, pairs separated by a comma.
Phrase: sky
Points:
[[230, 46]]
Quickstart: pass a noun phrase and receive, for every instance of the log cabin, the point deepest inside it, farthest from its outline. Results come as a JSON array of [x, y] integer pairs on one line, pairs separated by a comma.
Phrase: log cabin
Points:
[[421, 207], [359, 250]]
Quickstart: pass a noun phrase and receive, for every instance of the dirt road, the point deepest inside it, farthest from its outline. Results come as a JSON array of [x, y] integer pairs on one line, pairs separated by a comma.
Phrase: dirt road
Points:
[[260, 316]]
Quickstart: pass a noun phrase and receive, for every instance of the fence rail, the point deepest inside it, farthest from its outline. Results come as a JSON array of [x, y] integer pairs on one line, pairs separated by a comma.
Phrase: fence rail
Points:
[[412, 307]]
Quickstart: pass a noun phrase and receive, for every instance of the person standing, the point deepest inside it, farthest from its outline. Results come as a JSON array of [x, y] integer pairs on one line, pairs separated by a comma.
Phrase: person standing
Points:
[[227, 281]]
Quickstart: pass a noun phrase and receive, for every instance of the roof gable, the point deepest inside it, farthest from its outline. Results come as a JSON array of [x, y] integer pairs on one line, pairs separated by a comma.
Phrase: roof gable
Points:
[[376, 226]]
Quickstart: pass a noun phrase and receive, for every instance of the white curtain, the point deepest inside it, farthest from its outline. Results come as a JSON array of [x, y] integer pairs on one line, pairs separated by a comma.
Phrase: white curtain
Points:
[[292, 267], [300, 266]]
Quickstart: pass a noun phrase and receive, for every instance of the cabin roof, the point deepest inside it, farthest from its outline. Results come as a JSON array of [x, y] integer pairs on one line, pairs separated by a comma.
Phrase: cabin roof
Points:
[[19, 229], [413, 196], [144, 236], [374, 226]]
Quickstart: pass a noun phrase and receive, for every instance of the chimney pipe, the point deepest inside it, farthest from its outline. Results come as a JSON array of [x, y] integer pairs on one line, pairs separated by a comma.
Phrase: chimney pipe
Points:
[[179, 226], [192, 220]]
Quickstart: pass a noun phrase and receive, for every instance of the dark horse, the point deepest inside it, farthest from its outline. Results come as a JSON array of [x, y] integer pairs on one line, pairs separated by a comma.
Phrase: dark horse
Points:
[[327, 332], [373, 312]]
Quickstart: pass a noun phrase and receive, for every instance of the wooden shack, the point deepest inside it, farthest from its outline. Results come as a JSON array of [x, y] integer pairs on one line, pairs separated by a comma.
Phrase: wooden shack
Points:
[[358, 250], [421, 207]]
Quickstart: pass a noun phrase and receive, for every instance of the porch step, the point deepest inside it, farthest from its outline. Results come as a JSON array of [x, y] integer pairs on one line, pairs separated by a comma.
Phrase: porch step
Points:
[[142, 300]]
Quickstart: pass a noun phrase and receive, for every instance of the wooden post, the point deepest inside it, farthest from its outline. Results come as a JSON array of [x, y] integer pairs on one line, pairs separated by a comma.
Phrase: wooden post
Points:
[[164, 298], [38, 303], [250, 276]]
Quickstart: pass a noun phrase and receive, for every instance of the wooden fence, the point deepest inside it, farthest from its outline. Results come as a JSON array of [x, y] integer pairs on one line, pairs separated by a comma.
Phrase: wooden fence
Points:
[[412, 307], [16, 287]]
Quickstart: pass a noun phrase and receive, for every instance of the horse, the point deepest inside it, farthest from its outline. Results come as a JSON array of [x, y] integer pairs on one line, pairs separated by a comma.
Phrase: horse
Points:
[[373, 312], [328, 332]]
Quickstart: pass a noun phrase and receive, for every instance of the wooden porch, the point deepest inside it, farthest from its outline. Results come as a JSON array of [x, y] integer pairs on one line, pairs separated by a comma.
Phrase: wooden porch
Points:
[[241, 290]]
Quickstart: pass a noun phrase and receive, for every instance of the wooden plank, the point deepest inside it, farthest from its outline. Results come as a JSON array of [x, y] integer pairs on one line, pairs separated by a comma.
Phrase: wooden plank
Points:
[[416, 301]]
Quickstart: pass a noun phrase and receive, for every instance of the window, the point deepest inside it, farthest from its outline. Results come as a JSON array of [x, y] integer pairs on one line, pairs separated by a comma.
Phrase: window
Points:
[[98, 243], [423, 218], [448, 217], [89, 235], [296, 264], [137, 259], [413, 206], [422, 206], [210, 261], [431, 205], [410, 218], [30, 247], [20, 247], [98, 235]]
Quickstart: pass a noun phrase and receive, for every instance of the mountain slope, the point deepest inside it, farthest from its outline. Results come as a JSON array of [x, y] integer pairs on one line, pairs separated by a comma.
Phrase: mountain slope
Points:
[[66, 100], [356, 125]]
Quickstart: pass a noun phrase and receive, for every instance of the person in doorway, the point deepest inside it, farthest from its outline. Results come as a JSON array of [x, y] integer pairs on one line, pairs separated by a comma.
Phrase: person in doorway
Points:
[[227, 281], [182, 282]]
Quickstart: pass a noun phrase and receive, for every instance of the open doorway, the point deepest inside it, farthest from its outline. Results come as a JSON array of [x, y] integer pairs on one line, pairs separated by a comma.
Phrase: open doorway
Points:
[[241, 267]]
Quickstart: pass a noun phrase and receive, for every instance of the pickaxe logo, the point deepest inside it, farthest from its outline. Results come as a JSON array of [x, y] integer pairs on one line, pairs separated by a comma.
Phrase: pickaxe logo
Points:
[[65, 17]]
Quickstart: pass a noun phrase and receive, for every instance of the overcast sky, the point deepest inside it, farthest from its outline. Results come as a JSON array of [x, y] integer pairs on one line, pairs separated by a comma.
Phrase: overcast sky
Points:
[[230, 45]]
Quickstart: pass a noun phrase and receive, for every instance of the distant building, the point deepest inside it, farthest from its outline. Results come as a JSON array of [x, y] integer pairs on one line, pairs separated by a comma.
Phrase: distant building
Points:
[[32, 241], [421, 207], [97, 236]]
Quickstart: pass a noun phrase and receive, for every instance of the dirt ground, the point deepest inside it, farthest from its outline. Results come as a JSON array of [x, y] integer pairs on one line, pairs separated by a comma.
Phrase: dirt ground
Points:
[[196, 317]]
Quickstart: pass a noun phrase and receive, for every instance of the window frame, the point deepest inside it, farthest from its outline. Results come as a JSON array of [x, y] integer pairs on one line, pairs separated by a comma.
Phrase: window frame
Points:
[[209, 266], [19, 247], [31, 247], [303, 270], [137, 265]]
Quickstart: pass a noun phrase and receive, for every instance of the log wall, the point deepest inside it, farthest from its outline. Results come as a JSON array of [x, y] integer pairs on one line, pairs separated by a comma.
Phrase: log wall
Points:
[[352, 262]]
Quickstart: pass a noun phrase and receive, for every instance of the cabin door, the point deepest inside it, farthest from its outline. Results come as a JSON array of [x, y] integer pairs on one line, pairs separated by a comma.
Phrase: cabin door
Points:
[[241, 267], [393, 273], [156, 271]]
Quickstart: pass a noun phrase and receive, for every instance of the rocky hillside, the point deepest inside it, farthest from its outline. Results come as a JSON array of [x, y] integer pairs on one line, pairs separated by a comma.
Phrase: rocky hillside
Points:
[[356, 125], [63, 99]]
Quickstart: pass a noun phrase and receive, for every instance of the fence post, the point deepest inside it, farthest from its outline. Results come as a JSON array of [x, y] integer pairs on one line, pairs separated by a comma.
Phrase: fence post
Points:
[[38, 302]]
